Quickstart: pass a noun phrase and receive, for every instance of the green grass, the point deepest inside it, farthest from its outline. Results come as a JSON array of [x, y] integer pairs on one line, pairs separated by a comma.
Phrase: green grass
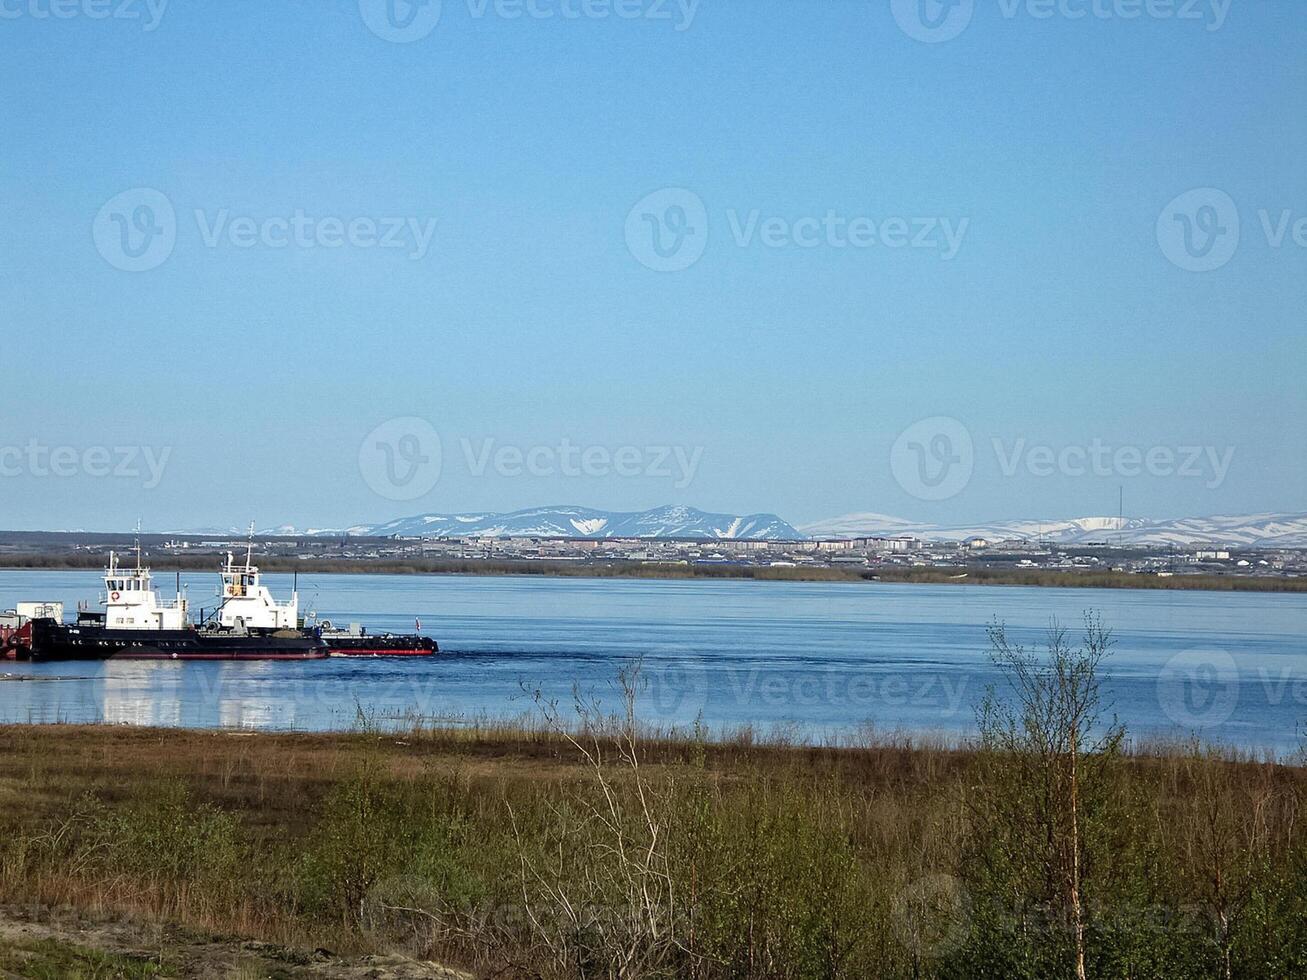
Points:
[[49, 959]]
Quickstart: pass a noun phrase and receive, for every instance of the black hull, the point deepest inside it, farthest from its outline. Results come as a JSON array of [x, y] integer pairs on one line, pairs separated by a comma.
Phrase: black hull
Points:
[[380, 646], [55, 641]]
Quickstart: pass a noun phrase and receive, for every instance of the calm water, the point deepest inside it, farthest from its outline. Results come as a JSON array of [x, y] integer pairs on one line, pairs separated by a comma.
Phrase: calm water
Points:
[[811, 657]]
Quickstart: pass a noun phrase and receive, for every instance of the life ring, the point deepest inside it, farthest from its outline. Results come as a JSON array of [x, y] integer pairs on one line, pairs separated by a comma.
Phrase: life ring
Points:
[[115, 596]]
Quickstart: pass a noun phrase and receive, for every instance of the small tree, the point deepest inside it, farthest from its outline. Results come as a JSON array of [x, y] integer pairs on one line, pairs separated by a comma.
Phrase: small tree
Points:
[[1046, 749]]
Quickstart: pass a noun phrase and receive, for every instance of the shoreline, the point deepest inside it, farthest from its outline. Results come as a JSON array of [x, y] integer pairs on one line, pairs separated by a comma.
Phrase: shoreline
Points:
[[959, 575]]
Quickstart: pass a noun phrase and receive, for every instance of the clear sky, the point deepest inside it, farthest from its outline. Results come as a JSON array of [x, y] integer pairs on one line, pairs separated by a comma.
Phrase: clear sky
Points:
[[986, 230]]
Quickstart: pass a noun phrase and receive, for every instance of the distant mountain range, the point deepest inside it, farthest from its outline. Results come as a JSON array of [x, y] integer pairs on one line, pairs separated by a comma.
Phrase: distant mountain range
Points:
[[1255, 530], [582, 522]]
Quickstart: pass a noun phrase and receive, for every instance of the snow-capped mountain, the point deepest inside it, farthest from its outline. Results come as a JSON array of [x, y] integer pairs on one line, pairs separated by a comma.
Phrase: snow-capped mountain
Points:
[[1254, 530], [584, 522], [1249, 530]]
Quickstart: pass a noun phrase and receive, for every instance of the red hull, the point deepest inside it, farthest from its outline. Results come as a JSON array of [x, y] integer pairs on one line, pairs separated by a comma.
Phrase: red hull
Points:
[[360, 652], [137, 655]]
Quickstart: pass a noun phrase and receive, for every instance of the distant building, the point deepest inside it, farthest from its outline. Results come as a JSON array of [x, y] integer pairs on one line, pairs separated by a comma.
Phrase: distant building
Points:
[[835, 545], [887, 545]]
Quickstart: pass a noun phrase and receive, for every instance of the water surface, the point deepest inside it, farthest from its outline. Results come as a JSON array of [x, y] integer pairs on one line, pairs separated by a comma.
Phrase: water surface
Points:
[[816, 659]]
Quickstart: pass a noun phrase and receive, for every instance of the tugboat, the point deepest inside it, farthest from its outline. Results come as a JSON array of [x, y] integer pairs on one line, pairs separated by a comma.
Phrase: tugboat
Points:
[[246, 604], [136, 625], [249, 624]]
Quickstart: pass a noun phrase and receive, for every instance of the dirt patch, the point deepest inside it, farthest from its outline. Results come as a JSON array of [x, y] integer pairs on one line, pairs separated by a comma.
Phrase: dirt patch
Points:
[[33, 942]]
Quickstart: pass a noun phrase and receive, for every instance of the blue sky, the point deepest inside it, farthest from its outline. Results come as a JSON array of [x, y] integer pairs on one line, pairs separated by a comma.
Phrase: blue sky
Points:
[[259, 369]]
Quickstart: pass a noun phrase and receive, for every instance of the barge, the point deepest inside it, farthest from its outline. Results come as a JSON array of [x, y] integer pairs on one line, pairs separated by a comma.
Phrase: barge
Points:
[[356, 641], [248, 624]]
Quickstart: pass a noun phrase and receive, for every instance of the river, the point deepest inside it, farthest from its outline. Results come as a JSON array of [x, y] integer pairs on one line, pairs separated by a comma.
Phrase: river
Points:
[[814, 661]]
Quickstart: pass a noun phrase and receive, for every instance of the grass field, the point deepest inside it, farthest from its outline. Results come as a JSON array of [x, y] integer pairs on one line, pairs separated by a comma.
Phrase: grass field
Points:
[[528, 853]]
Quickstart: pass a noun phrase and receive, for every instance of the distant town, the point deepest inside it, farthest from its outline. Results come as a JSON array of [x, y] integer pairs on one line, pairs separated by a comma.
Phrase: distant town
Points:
[[866, 556]]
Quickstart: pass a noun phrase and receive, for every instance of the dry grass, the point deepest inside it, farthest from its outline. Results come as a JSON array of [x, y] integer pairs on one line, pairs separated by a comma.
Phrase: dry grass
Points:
[[784, 860]]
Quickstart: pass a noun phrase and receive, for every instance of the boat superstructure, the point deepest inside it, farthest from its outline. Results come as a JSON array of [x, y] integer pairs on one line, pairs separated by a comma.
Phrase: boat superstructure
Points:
[[137, 625], [246, 601], [131, 602]]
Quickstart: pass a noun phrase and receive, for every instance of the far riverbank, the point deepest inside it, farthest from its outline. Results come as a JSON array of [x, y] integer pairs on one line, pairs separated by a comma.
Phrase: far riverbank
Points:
[[961, 575]]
